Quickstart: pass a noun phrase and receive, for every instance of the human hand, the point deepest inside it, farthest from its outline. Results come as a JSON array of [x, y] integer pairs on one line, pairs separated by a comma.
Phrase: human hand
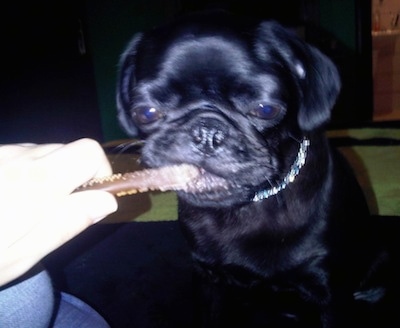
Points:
[[38, 211]]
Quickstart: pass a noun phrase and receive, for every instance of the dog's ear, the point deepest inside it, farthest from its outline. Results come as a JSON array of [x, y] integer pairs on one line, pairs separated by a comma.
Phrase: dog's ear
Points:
[[317, 77], [125, 84]]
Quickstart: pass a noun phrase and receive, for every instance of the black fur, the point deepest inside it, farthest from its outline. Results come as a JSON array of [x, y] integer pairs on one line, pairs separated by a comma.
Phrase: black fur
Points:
[[193, 90]]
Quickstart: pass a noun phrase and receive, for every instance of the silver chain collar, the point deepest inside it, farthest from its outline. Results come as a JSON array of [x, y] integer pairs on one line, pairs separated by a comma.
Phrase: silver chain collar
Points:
[[290, 177]]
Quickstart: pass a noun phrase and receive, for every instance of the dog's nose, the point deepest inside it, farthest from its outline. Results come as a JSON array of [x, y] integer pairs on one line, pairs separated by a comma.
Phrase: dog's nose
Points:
[[209, 134]]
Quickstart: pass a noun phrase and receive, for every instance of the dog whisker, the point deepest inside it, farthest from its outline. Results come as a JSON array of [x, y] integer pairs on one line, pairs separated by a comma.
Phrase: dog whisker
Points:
[[299, 140], [130, 146]]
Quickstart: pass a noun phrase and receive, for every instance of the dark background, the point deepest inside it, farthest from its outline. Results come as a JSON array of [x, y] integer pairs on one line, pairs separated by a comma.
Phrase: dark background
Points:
[[59, 58]]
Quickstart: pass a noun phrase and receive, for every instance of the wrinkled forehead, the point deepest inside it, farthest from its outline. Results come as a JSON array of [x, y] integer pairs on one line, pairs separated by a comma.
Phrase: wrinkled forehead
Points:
[[212, 68], [207, 54], [209, 67]]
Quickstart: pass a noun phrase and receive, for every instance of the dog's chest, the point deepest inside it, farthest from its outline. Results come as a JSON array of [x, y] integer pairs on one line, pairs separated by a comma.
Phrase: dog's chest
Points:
[[247, 248]]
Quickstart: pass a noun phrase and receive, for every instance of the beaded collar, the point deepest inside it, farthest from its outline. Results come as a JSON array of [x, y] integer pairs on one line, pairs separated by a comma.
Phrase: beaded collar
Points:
[[290, 177]]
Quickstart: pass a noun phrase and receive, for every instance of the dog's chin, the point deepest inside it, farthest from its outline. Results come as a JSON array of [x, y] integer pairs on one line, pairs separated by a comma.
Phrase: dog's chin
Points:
[[215, 199], [210, 190]]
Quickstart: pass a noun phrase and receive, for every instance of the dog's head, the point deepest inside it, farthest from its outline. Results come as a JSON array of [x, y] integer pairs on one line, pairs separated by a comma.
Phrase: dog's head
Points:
[[234, 99]]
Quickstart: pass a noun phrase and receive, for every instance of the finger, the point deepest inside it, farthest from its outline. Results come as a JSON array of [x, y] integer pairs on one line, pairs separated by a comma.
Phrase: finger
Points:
[[39, 151], [76, 163]]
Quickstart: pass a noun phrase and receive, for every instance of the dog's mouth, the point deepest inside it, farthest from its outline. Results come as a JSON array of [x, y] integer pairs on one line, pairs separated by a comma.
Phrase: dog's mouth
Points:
[[205, 182], [209, 189]]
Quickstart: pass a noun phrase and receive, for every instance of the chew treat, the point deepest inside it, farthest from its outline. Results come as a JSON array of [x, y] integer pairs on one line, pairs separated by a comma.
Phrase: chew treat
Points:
[[174, 177], [184, 177]]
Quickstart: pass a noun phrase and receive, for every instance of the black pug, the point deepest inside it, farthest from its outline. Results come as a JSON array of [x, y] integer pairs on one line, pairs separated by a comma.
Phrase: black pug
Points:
[[287, 242]]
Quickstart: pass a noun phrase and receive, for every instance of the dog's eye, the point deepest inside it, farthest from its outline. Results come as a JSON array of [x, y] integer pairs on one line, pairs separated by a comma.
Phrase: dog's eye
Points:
[[266, 111], [147, 115]]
